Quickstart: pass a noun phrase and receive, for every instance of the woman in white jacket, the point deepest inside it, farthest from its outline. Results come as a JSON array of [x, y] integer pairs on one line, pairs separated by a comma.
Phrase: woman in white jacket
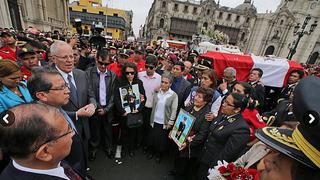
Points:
[[165, 104]]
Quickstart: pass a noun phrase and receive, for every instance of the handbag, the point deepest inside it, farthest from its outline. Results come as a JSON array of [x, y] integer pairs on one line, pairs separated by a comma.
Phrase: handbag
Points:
[[134, 120]]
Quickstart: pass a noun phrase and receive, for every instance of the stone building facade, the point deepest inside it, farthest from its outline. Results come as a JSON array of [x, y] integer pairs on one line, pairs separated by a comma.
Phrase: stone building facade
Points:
[[258, 33], [46, 15]]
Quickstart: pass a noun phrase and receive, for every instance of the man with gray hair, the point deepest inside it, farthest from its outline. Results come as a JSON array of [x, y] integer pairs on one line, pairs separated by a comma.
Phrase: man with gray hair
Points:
[[82, 103], [228, 80]]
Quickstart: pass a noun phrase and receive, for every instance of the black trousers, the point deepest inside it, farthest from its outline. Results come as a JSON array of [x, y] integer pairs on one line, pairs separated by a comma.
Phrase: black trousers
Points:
[[186, 168], [145, 128], [203, 171], [101, 129]]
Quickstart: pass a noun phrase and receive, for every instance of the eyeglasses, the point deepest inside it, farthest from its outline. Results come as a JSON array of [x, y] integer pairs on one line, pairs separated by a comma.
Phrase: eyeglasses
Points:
[[61, 88], [65, 57], [102, 63], [70, 130], [149, 67], [228, 104], [132, 73]]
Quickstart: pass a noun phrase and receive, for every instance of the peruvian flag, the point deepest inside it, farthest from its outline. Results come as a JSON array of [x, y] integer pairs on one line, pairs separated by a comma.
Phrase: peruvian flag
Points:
[[275, 70]]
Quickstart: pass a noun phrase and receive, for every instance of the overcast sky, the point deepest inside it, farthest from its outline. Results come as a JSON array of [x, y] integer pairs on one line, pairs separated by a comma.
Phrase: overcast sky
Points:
[[140, 8]]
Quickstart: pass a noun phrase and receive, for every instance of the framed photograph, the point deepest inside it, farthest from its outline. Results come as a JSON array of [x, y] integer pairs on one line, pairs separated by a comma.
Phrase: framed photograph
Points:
[[182, 127], [130, 97]]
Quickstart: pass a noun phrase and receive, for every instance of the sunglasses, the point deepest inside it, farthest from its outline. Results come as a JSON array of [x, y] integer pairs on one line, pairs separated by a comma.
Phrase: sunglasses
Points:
[[102, 63], [132, 73], [149, 67]]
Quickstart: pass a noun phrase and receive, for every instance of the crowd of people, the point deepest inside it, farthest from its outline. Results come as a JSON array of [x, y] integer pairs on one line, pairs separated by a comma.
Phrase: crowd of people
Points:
[[60, 103]]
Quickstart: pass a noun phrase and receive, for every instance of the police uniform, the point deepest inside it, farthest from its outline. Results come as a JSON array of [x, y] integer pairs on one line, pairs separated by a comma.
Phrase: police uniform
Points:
[[258, 94], [302, 143], [228, 136]]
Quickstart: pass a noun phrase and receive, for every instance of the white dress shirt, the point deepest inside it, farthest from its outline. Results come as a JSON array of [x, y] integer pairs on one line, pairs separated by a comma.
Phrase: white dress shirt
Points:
[[57, 172]]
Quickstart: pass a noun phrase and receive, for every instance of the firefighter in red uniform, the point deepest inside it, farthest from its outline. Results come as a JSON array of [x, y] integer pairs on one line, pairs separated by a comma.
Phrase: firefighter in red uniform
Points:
[[138, 58], [28, 58], [123, 56], [8, 51]]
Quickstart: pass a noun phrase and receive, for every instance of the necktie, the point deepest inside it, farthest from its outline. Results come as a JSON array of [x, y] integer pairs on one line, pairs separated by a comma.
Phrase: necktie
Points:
[[73, 90], [70, 173], [102, 90]]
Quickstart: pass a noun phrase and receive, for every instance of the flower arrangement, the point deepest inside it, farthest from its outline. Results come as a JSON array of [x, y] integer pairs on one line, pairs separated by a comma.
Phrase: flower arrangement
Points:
[[230, 171]]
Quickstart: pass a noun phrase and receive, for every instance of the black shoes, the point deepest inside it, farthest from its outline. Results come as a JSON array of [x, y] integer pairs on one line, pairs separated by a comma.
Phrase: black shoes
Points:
[[131, 154], [109, 153], [92, 156], [150, 155]]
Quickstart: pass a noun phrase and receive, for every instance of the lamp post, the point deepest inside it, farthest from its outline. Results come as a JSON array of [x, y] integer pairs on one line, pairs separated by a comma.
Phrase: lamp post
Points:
[[300, 32]]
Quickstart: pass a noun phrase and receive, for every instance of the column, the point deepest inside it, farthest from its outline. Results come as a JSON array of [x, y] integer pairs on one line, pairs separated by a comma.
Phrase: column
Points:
[[5, 19]]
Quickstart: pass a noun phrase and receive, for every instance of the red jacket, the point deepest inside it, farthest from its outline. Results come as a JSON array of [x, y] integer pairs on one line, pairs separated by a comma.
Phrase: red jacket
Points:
[[140, 65], [254, 121], [25, 73], [7, 53], [116, 68]]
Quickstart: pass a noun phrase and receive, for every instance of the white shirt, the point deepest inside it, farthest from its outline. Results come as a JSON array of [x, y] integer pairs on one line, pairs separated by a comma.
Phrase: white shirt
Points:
[[65, 76], [215, 107], [150, 84], [57, 172], [160, 107]]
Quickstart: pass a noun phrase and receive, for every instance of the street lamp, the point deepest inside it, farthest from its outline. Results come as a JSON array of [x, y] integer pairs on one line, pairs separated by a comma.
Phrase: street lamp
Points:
[[300, 32]]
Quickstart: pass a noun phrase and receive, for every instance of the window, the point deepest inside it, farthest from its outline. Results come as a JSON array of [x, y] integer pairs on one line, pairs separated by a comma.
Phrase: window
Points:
[[175, 7], [115, 15], [281, 22], [161, 24], [248, 20], [205, 25], [185, 9], [237, 19], [195, 10], [208, 11], [100, 13], [220, 15], [164, 4], [243, 35], [84, 10], [229, 17], [70, 8]]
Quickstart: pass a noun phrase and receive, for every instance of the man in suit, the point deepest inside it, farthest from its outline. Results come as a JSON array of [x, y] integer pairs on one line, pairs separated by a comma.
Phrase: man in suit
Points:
[[47, 139], [47, 86], [292, 82], [82, 103], [182, 126], [180, 86], [102, 83], [258, 87]]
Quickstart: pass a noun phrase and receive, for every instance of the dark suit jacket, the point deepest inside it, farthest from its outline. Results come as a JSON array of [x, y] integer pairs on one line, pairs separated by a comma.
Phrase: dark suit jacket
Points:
[[200, 129], [11, 173], [111, 83], [182, 91], [226, 140], [85, 97]]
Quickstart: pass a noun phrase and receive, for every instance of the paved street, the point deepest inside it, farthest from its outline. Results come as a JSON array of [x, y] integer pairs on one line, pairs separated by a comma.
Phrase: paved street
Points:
[[136, 168]]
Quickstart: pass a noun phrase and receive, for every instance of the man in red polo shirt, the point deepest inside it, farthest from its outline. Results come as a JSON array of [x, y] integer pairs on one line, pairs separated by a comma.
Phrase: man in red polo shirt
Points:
[[8, 51]]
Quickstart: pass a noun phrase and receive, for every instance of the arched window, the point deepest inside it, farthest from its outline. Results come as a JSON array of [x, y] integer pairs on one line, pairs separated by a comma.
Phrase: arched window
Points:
[[269, 51], [161, 23], [205, 25], [313, 58]]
